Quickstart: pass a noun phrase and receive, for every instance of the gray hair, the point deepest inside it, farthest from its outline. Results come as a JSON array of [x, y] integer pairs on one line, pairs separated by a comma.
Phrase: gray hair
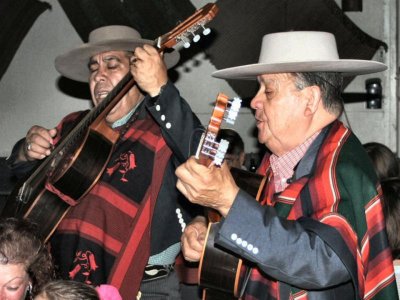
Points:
[[68, 290], [330, 84]]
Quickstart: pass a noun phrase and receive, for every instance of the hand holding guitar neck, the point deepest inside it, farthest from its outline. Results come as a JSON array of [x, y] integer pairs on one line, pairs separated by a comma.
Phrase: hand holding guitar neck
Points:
[[149, 70], [210, 151], [206, 181], [212, 186]]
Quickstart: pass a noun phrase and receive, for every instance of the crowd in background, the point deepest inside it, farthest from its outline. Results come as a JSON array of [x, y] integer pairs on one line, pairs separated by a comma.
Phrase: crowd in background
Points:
[[386, 164]]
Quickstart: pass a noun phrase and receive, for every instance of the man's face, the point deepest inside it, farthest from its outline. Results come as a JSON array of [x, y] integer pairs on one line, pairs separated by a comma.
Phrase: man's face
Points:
[[280, 113], [106, 70]]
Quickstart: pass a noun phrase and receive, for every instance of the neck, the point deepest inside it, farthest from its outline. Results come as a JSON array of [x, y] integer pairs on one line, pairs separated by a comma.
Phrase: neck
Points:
[[125, 119]]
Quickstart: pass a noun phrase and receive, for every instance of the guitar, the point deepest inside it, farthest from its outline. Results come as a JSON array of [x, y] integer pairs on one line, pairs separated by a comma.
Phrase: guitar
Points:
[[79, 159], [221, 273]]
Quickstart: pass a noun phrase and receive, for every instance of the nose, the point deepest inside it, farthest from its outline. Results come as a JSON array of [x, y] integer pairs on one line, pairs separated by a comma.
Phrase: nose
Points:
[[100, 74], [256, 102], [253, 103]]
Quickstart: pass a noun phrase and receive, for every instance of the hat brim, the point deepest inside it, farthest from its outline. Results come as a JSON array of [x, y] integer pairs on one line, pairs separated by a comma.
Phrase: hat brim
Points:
[[74, 64], [348, 67]]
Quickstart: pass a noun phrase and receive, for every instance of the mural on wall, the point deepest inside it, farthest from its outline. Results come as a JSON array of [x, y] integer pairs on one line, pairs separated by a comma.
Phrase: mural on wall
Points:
[[151, 18], [16, 18], [237, 29]]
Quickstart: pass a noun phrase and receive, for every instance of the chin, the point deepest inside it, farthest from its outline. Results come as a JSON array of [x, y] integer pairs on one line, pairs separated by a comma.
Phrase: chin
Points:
[[110, 120], [262, 138]]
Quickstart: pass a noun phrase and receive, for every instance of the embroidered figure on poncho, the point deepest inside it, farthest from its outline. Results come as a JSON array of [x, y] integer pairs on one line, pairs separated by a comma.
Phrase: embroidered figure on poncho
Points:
[[85, 265], [123, 164]]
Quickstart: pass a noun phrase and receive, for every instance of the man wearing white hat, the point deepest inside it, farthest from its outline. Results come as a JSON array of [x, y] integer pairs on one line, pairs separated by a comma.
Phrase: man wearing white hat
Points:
[[126, 230], [318, 230]]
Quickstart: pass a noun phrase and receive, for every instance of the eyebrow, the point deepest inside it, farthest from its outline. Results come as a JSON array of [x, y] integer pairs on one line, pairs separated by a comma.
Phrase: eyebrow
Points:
[[267, 81], [22, 277], [93, 61]]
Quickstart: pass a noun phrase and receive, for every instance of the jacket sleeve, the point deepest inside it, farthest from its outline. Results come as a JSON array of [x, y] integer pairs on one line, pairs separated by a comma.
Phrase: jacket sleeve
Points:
[[281, 248], [20, 169], [180, 126]]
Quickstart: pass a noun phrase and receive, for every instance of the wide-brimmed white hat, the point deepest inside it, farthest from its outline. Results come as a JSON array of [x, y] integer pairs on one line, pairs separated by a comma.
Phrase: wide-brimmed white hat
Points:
[[300, 51], [74, 63]]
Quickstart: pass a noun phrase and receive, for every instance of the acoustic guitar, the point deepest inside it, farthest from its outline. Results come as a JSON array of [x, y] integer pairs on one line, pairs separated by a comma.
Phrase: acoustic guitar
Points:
[[222, 274], [79, 159]]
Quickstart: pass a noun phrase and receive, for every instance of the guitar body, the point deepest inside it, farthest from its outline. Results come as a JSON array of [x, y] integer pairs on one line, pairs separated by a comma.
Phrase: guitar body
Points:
[[49, 196], [78, 173], [38, 205], [222, 273]]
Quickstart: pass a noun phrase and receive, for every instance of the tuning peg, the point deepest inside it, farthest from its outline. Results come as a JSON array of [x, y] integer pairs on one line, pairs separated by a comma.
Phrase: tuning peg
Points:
[[196, 37], [185, 41], [233, 111], [206, 31], [221, 151]]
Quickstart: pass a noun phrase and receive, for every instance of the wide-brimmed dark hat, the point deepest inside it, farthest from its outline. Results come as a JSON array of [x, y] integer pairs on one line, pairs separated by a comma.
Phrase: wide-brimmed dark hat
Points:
[[300, 51], [74, 63]]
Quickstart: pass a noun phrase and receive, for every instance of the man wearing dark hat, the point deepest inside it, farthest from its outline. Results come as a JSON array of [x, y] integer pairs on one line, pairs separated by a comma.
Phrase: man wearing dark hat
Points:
[[317, 231], [126, 231]]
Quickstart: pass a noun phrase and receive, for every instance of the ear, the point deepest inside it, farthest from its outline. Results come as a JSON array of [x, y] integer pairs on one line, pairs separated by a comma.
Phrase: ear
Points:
[[313, 98], [242, 158]]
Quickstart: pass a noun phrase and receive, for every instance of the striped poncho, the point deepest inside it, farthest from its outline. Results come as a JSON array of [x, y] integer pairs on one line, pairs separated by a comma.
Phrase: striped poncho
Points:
[[335, 196]]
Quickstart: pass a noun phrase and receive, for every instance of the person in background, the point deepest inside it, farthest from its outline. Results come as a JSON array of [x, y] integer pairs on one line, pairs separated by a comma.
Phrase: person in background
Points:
[[386, 167], [385, 162], [235, 154], [126, 230], [25, 263], [67, 290], [318, 231], [391, 209]]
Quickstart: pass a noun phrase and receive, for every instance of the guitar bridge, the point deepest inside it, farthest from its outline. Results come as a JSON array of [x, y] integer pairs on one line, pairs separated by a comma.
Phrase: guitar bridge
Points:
[[22, 195]]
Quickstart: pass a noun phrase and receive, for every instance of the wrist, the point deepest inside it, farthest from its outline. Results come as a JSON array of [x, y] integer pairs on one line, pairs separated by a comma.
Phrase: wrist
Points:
[[158, 91], [22, 153], [224, 210]]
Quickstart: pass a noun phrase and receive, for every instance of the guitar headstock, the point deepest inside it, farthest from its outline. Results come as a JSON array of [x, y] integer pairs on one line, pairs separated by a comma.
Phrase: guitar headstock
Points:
[[210, 150], [187, 30]]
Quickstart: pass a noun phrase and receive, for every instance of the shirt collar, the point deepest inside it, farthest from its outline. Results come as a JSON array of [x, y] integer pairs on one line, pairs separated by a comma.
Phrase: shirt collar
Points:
[[125, 118], [283, 166]]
